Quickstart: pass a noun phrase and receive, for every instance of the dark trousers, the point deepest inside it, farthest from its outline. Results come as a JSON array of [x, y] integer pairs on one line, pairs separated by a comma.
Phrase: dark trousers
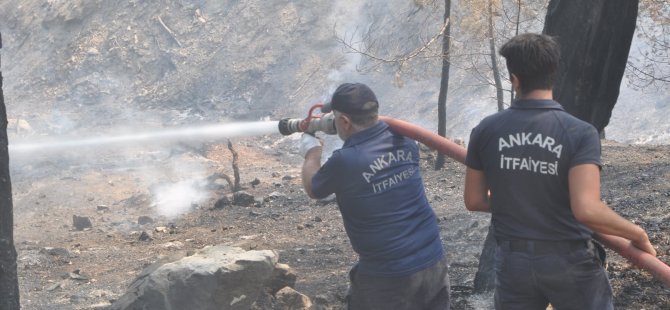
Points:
[[569, 275], [427, 289]]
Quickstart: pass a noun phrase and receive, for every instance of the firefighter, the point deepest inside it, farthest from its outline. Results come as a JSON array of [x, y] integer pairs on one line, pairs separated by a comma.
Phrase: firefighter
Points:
[[536, 168], [379, 190]]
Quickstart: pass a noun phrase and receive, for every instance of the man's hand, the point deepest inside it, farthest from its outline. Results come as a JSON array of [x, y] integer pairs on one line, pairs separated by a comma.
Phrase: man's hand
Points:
[[308, 142], [310, 149], [644, 244]]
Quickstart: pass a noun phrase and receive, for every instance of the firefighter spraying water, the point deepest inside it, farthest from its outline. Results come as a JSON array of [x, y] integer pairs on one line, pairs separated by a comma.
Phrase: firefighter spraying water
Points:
[[314, 122], [325, 123]]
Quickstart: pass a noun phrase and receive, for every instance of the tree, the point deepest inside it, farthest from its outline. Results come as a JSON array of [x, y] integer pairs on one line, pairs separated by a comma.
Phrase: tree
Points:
[[444, 84], [479, 41], [9, 285], [372, 49], [650, 64], [595, 39]]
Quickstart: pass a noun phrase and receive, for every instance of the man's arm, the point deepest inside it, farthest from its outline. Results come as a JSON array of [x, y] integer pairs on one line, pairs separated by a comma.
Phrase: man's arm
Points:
[[310, 167], [476, 195], [584, 184]]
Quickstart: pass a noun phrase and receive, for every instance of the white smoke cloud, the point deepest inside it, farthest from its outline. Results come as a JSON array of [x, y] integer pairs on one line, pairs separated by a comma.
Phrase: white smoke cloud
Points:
[[172, 200]]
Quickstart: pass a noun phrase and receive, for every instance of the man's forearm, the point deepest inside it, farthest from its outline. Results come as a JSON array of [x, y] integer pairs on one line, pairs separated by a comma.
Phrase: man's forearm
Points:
[[476, 193], [309, 168], [604, 220], [584, 183]]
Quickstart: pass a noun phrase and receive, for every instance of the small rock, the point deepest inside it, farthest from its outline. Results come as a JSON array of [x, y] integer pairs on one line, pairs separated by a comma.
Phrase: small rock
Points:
[[102, 208], [258, 203], [77, 298], [318, 219], [142, 220], [288, 298], [253, 213], [93, 51], [144, 236], [76, 276], [53, 287], [255, 182], [288, 177], [54, 251], [174, 245], [243, 198], [81, 222], [222, 202]]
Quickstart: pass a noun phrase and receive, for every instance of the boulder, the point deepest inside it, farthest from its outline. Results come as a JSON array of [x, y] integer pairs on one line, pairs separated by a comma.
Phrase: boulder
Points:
[[216, 277]]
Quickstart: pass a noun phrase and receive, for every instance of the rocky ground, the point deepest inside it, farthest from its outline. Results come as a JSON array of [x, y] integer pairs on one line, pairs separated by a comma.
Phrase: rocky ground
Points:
[[62, 267]]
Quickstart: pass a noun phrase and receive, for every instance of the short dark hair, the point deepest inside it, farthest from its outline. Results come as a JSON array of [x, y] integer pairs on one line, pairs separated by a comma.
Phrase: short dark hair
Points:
[[365, 120], [533, 59]]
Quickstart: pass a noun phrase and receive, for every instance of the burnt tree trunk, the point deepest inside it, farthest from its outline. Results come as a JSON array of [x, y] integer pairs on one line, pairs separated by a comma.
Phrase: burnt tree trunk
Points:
[[236, 169], [595, 38], [9, 285], [485, 278], [494, 60], [444, 84]]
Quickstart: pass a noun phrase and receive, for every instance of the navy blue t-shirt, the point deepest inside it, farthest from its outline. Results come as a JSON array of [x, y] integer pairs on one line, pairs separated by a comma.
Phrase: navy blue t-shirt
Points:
[[525, 153], [375, 177]]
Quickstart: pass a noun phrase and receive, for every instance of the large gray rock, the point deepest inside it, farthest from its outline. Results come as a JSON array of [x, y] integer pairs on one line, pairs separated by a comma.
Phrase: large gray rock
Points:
[[218, 277]]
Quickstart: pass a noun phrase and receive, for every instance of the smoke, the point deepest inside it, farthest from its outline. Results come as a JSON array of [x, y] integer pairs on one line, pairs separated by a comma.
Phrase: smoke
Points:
[[172, 200]]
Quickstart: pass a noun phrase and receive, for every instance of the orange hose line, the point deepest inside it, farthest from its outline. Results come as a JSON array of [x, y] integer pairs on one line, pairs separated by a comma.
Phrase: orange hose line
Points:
[[642, 259], [427, 137]]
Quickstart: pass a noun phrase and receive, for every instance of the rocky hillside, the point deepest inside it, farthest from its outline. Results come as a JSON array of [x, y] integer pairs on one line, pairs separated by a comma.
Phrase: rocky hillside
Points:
[[74, 64], [97, 67]]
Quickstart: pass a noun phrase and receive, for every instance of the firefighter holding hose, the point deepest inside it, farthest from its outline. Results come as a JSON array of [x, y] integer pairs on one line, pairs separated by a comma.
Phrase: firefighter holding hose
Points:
[[379, 190], [536, 168]]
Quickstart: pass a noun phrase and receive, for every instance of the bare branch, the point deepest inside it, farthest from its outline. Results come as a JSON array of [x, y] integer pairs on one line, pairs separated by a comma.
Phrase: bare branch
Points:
[[236, 169], [400, 60], [174, 36]]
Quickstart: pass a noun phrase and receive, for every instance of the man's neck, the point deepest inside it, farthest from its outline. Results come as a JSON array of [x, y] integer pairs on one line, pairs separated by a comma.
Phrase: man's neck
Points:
[[538, 94]]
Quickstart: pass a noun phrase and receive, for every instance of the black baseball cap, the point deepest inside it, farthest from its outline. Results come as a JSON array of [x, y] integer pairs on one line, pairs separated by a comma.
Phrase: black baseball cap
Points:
[[352, 98]]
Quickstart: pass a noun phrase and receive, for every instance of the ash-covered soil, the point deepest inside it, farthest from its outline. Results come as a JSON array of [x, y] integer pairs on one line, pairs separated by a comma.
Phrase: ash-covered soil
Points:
[[61, 267]]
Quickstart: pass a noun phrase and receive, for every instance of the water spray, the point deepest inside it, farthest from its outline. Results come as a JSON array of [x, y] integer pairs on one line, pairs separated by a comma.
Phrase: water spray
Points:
[[196, 133]]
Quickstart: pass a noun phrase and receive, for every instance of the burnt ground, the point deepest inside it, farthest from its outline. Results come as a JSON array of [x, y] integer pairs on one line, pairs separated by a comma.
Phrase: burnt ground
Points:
[[63, 268]]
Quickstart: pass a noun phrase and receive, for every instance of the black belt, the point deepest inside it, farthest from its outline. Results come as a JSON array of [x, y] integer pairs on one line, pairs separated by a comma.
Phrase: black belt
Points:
[[539, 247]]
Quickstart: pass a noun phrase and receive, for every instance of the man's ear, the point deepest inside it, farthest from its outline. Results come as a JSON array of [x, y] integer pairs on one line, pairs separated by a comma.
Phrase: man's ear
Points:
[[516, 84], [346, 121]]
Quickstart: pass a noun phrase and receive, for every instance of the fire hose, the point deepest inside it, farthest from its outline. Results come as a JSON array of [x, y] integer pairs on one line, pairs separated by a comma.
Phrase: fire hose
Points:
[[325, 123], [624, 247]]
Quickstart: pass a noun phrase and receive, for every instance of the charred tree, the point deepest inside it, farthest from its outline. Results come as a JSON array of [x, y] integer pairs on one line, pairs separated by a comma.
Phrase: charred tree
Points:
[[485, 277], [444, 84], [9, 284], [595, 38], [236, 169], [494, 60]]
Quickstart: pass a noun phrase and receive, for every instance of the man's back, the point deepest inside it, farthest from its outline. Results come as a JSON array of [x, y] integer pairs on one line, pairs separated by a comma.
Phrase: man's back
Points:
[[379, 190], [526, 153]]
